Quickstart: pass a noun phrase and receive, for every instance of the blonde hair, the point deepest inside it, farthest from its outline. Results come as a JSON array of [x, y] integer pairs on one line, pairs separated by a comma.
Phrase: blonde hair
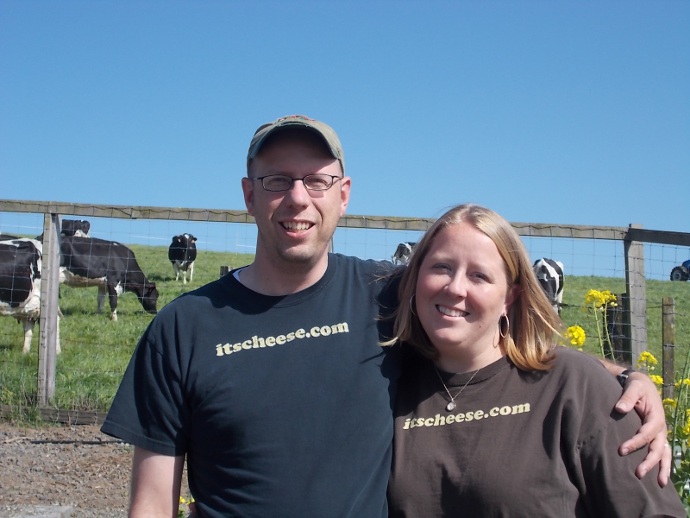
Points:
[[534, 325]]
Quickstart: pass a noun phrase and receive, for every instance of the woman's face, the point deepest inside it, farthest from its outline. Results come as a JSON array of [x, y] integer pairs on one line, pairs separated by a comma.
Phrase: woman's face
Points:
[[462, 291]]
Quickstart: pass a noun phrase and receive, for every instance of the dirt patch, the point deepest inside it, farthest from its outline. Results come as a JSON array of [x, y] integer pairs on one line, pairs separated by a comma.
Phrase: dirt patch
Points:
[[74, 466]]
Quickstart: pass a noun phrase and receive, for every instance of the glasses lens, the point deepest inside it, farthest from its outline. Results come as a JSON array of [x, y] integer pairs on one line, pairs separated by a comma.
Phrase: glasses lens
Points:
[[318, 182], [276, 182]]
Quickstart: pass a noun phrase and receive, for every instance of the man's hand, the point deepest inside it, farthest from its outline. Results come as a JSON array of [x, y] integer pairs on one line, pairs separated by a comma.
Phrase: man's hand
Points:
[[641, 394]]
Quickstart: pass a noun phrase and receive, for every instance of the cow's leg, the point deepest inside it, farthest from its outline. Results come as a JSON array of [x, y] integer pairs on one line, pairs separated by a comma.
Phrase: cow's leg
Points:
[[101, 298], [112, 298], [191, 271], [176, 269], [28, 325]]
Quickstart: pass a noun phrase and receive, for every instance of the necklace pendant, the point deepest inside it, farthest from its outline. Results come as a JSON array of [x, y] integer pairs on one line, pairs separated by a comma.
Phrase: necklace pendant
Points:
[[450, 406]]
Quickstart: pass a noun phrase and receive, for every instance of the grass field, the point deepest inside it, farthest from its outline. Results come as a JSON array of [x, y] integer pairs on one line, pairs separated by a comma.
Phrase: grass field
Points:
[[95, 351]]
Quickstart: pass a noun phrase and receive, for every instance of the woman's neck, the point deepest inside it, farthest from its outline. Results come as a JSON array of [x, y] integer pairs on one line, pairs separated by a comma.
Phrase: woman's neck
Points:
[[458, 363]]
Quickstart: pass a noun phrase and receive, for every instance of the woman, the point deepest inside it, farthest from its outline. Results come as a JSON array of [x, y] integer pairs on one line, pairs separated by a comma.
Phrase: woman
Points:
[[493, 419]]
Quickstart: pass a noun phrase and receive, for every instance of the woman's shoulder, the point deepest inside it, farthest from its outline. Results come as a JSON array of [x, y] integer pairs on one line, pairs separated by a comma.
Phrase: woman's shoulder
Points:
[[583, 368]]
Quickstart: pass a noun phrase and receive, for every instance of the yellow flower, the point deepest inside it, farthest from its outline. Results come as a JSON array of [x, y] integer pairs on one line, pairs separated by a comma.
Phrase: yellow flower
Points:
[[609, 298], [594, 298], [680, 383], [646, 361], [671, 403], [656, 379], [576, 335], [600, 299]]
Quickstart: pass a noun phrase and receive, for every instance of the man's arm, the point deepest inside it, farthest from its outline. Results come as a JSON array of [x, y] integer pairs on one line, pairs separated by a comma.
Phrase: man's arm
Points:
[[641, 394], [156, 480]]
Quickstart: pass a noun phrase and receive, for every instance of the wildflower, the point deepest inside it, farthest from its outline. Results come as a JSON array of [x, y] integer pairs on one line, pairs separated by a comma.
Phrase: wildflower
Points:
[[594, 298], [656, 379], [576, 335], [647, 361], [609, 299], [685, 382], [669, 402]]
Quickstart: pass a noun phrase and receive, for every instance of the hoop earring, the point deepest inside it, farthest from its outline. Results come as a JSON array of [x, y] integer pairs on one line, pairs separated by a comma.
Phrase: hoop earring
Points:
[[501, 326], [412, 305]]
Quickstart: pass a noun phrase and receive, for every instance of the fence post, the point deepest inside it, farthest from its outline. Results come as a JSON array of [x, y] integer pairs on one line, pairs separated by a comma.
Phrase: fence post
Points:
[[50, 275], [635, 282], [617, 331], [668, 349]]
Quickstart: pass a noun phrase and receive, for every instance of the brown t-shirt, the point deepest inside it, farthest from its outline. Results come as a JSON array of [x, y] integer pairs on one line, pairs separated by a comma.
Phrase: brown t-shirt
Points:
[[519, 444]]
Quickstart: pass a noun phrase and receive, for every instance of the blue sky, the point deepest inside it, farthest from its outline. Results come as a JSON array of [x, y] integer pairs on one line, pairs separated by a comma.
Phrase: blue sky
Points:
[[550, 112]]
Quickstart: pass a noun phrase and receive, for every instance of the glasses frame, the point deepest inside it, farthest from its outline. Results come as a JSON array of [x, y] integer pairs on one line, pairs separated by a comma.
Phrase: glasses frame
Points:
[[333, 178]]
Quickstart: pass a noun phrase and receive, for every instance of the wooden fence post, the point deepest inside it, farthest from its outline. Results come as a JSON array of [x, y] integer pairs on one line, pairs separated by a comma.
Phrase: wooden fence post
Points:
[[636, 287], [50, 274], [668, 350]]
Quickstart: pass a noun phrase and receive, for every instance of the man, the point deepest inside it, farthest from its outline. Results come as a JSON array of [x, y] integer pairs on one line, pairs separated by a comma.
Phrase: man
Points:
[[271, 380]]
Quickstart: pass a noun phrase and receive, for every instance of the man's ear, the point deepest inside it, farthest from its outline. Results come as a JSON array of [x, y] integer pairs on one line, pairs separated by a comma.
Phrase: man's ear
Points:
[[248, 192], [345, 185]]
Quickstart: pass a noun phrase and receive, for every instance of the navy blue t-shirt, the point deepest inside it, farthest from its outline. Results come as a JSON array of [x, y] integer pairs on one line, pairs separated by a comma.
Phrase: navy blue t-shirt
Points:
[[282, 405]]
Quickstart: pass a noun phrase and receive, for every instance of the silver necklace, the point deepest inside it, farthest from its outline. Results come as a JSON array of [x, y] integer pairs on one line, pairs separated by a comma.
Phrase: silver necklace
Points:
[[451, 406]]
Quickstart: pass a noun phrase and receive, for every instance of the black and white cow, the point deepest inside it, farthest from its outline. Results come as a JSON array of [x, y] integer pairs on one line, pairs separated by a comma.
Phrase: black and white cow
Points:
[[20, 284], [550, 275], [86, 261], [403, 252], [72, 227], [75, 227], [182, 254]]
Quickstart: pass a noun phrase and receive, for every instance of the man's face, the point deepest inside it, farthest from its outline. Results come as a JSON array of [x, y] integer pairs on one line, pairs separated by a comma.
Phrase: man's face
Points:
[[295, 226]]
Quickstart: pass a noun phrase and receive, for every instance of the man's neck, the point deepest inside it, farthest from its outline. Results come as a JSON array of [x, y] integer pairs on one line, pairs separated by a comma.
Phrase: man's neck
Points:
[[265, 278]]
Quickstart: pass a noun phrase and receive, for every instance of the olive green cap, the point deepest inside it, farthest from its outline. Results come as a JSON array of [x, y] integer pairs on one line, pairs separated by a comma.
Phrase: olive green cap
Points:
[[298, 121]]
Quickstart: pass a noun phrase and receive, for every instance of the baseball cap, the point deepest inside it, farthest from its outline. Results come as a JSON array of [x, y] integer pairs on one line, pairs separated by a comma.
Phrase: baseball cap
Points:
[[298, 121]]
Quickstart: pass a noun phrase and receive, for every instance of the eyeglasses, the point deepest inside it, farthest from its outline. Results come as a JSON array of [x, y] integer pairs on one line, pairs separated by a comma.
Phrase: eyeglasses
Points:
[[282, 182]]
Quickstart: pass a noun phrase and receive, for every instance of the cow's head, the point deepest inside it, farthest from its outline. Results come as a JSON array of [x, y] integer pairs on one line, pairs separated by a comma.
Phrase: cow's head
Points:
[[149, 297]]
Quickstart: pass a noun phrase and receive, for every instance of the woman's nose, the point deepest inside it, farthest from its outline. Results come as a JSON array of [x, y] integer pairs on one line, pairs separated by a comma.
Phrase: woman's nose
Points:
[[457, 285]]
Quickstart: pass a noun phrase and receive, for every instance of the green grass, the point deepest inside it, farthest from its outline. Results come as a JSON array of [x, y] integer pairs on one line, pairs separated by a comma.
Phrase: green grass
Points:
[[573, 313], [95, 351]]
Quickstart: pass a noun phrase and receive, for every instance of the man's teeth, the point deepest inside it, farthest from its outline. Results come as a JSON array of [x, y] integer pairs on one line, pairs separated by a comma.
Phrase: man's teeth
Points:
[[295, 225], [450, 312]]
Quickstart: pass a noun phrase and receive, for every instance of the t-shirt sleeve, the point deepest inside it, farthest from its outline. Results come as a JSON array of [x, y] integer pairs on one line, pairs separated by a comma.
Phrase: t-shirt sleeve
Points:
[[609, 483], [149, 410]]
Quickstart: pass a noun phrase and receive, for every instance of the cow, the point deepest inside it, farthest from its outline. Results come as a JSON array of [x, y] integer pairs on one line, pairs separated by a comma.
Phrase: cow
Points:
[[550, 276], [86, 261], [403, 252], [72, 227], [182, 253], [20, 284], [75, 227]]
